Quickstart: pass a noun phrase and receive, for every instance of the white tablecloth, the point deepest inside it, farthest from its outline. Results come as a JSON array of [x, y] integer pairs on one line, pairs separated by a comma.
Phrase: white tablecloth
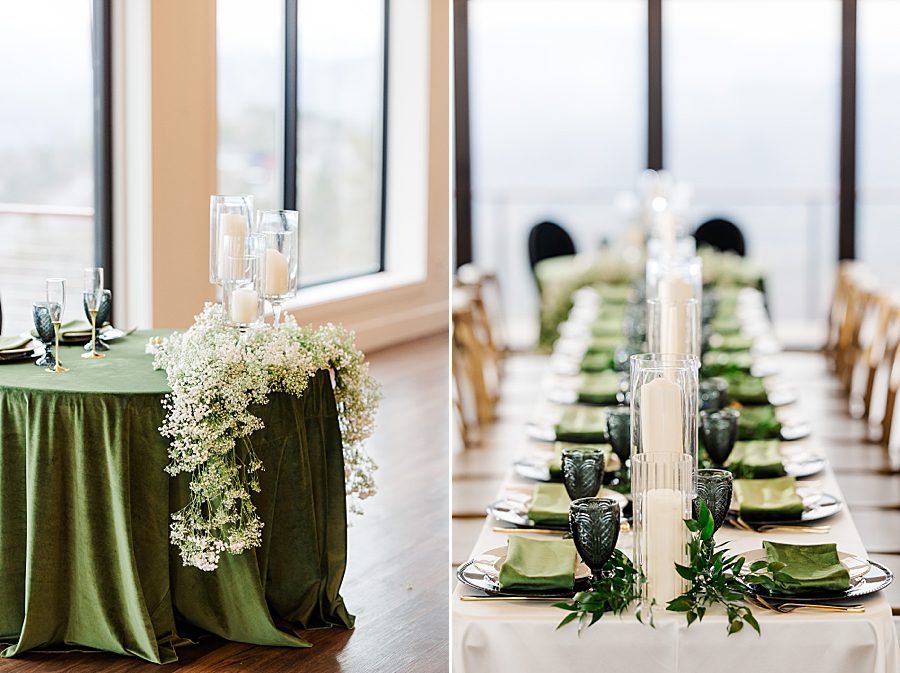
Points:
[[500, 637]]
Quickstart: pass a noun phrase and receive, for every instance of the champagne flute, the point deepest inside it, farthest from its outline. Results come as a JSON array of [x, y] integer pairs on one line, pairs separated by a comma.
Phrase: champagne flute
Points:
[[56, 304], [93, 295]]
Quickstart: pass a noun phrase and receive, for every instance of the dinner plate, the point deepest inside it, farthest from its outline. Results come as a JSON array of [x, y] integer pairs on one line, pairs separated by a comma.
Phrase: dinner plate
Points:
[[490, 562], [866, 577], [816, 506], [796, 429], [474, 577], [513, 509], [781, 396], [804, 465], [534, 466]]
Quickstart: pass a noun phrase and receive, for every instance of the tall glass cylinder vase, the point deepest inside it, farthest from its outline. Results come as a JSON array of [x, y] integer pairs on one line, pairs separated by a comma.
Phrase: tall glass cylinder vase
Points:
[[228, 216], [672, 279], [662, 491], [664, 404], [673, 326]]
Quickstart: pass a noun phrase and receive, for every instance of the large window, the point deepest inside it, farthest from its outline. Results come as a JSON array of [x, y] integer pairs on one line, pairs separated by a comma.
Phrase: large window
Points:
[[557, 104], [340, 93], [47, 146], [878, 172], [751, 122]]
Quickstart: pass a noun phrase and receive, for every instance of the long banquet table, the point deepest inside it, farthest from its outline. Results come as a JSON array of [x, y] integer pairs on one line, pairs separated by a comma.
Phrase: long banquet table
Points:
[[85, 504], [500, 636]]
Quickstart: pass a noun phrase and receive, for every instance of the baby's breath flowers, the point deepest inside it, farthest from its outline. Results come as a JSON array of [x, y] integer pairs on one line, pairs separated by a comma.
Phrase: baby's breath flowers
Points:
[[216, 374]]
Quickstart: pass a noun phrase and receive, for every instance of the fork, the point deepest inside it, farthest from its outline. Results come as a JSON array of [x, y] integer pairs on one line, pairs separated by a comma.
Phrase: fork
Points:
[[787, 608], [738, 522]]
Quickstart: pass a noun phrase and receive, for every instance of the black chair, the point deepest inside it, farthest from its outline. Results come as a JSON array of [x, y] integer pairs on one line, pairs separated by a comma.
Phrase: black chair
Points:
[[722, 235], [546, 240]]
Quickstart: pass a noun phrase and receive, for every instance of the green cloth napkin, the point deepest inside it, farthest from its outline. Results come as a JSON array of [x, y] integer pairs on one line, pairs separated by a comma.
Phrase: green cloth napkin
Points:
[[538, 565], [607, 327], [613, 293], [69, 327], [582, 425], [600, 388], [549, 505], [13, 343], [555, 463], [597, 362], [747, 389], [757, 459], [604, 344], [725, 325], [768, 499], [721, 363], [810, 567], [730, 343], [759, 423]]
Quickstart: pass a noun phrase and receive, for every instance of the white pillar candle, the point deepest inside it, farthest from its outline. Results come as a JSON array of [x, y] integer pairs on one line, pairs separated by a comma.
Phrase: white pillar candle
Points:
[[231, 224], [673, 294], [662, 428], [244, 305], [663, 518], [277, 278]]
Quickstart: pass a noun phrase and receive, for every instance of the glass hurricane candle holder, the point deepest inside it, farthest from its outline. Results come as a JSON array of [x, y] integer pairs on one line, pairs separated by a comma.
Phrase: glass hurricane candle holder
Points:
[[664, 401], [675, 280], [243, 291], [228, 216], [662, 491], [673, 326], [281, 233]]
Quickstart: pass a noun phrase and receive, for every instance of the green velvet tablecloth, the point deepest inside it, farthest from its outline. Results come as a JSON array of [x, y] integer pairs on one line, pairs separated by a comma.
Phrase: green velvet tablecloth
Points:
[[85, 504]]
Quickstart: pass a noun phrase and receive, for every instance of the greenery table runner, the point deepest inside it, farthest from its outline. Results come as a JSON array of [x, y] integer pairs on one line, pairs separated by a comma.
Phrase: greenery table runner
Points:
[[85, 506]]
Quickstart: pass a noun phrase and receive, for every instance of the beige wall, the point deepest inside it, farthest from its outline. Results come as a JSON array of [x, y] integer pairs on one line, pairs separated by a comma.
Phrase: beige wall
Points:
[[183, 174]]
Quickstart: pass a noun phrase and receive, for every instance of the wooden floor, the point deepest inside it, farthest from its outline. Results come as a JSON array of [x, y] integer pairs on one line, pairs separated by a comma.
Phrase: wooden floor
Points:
[[396, 575]]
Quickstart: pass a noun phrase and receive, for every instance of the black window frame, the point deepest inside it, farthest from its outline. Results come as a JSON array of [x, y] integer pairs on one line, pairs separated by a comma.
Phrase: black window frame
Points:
[[291, 117], [655, 130]]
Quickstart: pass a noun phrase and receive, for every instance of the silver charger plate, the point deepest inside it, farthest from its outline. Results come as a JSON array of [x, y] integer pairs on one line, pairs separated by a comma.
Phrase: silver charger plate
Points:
[[804, 466], [866, 577], [536, 468], [469, 575]]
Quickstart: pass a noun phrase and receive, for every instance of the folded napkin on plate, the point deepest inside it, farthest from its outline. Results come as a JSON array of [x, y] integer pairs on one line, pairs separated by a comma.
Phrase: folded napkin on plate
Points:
[[725, 325], [721, 363], [555, 463], [810, 567], [759, 423], [613, 293], [538, 565], [731, 343], [768, 499], [13, 343], [581, 425], [758, 459], [604, 344], [747, 389], [607, 327], [73, 327], [597, 362], [600, 388], [549, 505]]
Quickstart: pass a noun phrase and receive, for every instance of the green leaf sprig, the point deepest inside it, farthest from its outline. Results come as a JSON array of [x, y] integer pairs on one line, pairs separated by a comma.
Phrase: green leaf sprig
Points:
[[614, 592], [714, 578]]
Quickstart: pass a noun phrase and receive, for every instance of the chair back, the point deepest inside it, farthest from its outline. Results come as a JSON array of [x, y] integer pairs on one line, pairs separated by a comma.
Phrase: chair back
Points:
[[546, 240], [722, 235]]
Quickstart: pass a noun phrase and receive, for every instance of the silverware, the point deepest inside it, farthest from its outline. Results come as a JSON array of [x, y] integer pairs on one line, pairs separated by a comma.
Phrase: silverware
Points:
[[786, 608], [739, 523], [511, 598]]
